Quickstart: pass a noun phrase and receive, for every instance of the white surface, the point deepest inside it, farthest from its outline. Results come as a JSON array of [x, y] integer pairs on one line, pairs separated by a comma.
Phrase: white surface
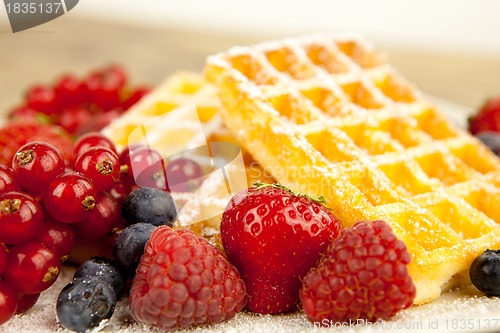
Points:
[[468, 26]]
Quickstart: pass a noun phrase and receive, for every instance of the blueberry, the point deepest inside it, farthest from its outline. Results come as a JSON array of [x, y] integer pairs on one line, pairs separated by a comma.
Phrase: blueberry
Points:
[[129, 246], [485, 272], [492, 140], [105, 269], [84, 303], [149, 205]]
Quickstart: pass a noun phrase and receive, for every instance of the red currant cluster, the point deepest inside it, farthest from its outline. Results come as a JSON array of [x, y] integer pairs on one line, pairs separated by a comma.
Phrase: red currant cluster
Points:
[[45, 207], [81, 106]]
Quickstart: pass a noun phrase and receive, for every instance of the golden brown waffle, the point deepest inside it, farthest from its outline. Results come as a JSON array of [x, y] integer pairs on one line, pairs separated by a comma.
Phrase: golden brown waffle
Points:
[[167, 121], [328, 116]]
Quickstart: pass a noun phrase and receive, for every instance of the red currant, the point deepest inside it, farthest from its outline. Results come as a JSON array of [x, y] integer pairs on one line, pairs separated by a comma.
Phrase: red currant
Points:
[[8, 302], [58, 236], [3, 258], [70, 197], [32, 267], [73, 118], [36, 164], [100, 165], [147, 168], [103, 87], [21, 218], [26, 302], [7, 181], [104, 218], [42, 99], [124, 157], [183, 175], [135, 96], [122, 187], [91, 140], [68, 91]]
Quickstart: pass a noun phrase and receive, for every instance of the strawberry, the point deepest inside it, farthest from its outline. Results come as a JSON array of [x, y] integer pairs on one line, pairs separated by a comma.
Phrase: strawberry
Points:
[[362, 276], [274, 237], [487, 118], [15, 135], [183, 280]]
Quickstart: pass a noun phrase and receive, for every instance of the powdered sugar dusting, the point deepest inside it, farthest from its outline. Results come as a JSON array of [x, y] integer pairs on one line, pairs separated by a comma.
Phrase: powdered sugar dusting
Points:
[[459, 308]]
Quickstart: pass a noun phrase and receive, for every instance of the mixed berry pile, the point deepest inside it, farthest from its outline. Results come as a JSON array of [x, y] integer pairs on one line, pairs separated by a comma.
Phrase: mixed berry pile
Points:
[[66, 192]]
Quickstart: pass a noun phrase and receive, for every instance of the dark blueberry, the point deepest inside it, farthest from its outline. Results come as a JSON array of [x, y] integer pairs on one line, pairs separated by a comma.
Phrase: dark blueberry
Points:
[[149, 205], [105, 269], [485, 272], [84, 303], [492, 140], [129, 246]]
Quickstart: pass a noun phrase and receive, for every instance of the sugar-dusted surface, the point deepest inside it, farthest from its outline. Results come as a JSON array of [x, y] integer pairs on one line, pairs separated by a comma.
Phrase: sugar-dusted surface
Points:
[[458, 311]]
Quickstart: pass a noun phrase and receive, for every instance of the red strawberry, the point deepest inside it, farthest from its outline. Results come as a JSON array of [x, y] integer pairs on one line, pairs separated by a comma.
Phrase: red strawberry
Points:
[[15, 135], [274, 237], [362, 276], [183, 280], [488, 117]]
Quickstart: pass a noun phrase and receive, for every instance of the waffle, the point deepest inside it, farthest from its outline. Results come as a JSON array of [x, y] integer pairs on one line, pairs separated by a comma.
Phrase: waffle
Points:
[[179, 118], [327, 115]]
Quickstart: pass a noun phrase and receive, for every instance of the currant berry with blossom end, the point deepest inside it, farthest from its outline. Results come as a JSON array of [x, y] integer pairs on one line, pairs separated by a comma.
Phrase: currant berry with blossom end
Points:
[[100, 165], [21, 218], [32, 267], [36, 164], [70, 198]]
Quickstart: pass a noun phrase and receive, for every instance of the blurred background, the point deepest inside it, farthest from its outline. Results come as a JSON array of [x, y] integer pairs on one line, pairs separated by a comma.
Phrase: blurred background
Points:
[[448, 48]]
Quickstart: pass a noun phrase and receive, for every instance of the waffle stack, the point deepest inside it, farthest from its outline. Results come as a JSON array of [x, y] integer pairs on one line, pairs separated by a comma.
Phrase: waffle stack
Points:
[[328, 116]]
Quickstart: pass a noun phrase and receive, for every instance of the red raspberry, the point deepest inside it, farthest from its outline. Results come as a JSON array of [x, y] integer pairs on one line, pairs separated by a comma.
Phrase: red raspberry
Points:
[[488, 117], [182, 280], [362, 276], [274, 237]]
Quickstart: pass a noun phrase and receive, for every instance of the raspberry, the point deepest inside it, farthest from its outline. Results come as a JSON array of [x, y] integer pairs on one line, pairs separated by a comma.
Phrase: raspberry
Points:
[[362, 276], [183, 280]]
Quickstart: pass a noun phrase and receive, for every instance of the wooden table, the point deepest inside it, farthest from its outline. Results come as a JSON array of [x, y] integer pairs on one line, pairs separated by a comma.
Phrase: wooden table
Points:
[[74, 45]]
